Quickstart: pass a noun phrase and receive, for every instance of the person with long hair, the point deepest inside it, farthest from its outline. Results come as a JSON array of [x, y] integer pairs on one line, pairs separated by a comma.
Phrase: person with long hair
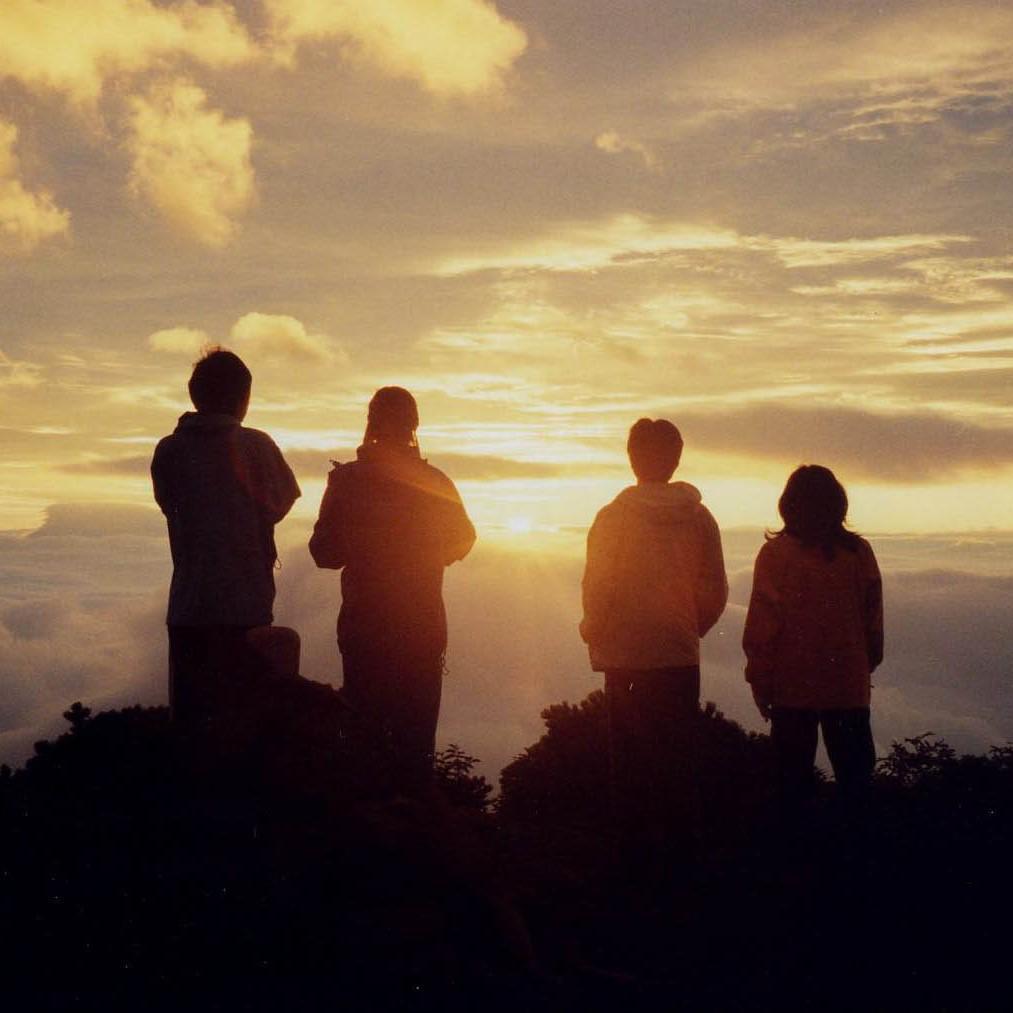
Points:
[[391, 522], [813, 637]]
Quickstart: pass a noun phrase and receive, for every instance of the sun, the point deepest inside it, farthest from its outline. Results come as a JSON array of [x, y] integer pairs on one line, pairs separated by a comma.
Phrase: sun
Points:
[[520, 525]]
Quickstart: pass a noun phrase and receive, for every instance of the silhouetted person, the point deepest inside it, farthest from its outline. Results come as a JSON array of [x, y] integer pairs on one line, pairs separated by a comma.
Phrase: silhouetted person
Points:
[[392, 522], [222, 488], [654, 584], [814, 635]]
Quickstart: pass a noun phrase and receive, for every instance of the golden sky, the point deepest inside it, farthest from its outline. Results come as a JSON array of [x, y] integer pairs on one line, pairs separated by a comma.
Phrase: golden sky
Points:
[[785, 226]]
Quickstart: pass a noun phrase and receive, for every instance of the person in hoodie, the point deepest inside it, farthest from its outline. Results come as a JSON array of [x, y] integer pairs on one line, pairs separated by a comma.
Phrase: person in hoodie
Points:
[[392, 523], [654, 584], [813, 637], [222, 487]]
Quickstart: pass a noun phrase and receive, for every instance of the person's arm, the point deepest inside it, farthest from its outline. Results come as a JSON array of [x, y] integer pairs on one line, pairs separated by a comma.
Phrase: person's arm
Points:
[[327, 544], [873, 608], [712, 581], [160, 478], [762, 629], [598, 584], [458, 533], [277, 489]]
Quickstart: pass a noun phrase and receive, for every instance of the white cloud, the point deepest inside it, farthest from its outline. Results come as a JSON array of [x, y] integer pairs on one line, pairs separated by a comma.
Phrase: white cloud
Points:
[[450, 46], [191, 163], [26, 218], [74, 46], [179, 340], [275, 335]]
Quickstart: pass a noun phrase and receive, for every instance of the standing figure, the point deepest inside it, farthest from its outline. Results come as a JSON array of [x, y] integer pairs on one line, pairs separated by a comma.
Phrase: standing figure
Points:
[[654, 584], [222, 488], [391, 522], [814, 635]]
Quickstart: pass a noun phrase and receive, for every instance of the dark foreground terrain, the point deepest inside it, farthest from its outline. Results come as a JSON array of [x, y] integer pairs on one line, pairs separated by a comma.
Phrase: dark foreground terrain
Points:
[[142, 871]]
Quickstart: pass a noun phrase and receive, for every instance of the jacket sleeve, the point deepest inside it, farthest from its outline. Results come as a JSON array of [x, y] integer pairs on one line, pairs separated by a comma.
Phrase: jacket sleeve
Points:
[[872, 599], [276, 488], [328, 544], [458, 533], [763, 621], [712, 581], [597, 586], [160, 481]]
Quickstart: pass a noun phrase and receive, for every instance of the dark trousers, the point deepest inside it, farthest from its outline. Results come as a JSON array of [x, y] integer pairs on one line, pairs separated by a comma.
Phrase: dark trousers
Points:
[[847, 736], [209, 669], [653, 720], [396, 700]]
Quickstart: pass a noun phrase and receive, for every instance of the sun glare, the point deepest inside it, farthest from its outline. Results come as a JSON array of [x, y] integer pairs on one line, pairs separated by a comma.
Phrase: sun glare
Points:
[[520, 525]]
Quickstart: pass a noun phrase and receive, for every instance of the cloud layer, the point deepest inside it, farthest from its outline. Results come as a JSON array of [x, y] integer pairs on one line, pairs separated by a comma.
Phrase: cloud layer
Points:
[[82, 608]]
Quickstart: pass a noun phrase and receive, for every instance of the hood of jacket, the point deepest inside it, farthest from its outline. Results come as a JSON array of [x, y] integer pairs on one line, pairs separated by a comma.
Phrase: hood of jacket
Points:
[[663, 504], [195, 422]]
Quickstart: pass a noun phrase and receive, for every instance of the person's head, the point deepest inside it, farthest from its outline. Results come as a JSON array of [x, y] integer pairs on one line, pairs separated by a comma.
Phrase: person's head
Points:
[[654, 446], [393, 418], [220, 384], [814, 507]]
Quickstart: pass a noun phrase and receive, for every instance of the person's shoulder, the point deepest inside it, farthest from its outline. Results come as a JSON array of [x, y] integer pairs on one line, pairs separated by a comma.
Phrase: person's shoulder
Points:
[[433, 479], [256, 438], [164, 448], [777, 547], [863, 549]]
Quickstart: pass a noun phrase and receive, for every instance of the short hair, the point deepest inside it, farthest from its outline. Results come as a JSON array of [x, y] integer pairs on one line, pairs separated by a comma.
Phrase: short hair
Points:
[[220, 382], [655, 447]]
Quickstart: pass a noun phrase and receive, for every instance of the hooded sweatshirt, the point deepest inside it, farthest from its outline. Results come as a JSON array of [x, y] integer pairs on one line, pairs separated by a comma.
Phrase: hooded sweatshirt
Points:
[[222, 488], [654, 582]]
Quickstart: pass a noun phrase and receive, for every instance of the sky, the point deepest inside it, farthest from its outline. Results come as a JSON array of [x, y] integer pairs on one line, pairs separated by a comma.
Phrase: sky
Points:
[[783, 225]]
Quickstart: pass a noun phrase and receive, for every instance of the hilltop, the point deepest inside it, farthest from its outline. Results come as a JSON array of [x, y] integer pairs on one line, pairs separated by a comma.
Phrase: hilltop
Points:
[[134, 872]]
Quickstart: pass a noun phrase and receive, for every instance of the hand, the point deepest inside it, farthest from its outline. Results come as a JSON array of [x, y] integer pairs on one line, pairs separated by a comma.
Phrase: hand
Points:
[[763, 704]]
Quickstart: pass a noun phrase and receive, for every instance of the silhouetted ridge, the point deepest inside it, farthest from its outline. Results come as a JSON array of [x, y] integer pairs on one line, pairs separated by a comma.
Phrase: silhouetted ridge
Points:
[[130, 873]]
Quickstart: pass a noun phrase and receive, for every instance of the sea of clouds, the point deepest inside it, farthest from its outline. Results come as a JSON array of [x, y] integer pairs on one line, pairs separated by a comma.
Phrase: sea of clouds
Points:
[[82, 603]]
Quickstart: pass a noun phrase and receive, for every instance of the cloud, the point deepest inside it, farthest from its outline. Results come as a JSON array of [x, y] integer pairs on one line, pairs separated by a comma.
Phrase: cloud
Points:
[[179, 340], [939, 48], [132, 466], [461, 467], [611, 143], [191, 163], [82, 617], [17, 373], [908, 447], [449, 46], [277, 336], [100, 520], [73, 47], [26, 219], [631, 239]]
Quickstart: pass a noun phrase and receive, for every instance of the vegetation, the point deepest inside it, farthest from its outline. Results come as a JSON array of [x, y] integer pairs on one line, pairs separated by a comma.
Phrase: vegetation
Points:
[[135, 869]]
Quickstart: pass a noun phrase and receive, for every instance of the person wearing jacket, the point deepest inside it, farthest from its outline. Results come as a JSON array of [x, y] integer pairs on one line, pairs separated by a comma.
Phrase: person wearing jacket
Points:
[[814, 635], [654, 584], [222, 487], [391, 522]]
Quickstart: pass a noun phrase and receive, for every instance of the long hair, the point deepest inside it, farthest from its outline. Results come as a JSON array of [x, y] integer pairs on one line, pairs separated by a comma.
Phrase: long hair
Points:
[[814, 507]]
